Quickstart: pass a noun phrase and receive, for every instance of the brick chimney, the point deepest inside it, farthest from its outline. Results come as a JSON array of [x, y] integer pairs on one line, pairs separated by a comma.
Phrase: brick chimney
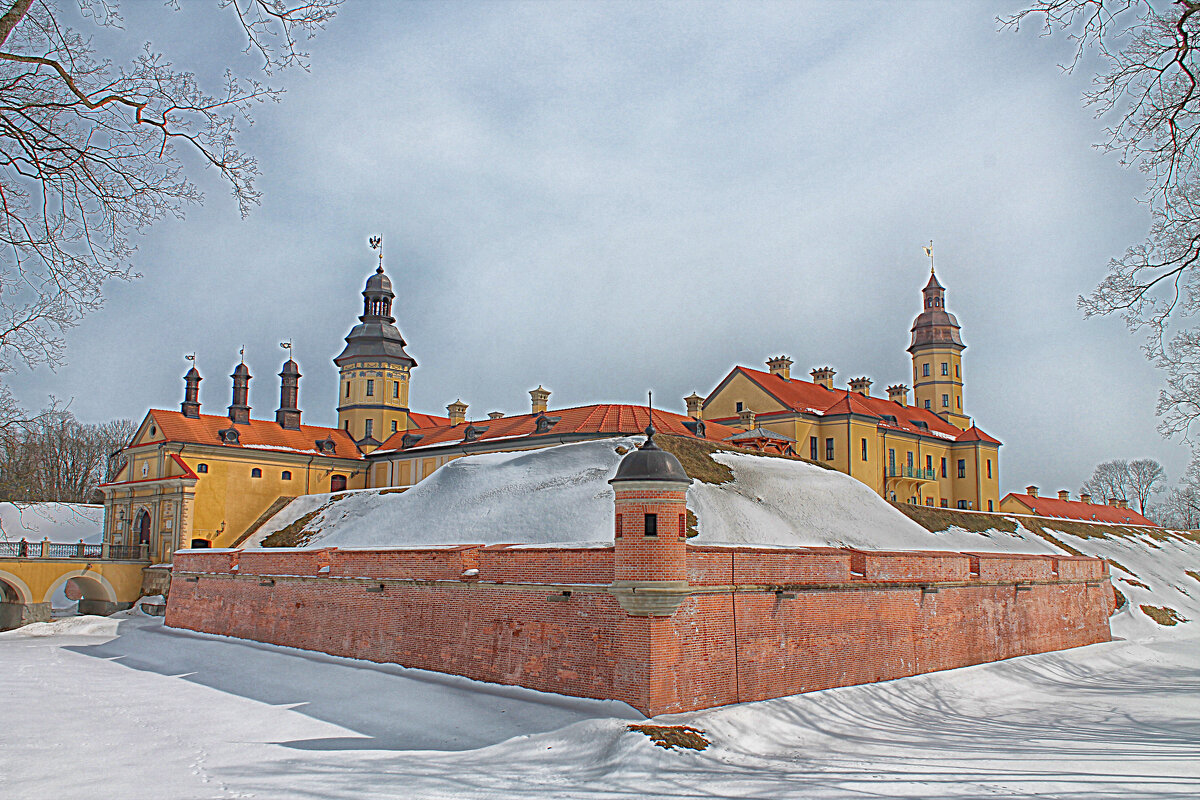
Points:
[[861, 385], [1032, 491], [1084, 497], [781, 366], [823, 376], [1063, 494], [288, 415], [898, 394], [191, 394], [694, 404], [746, 419], [458, 412], [239, 409], [1112, 501], [495, 414], [540, 398], [1122, 503]]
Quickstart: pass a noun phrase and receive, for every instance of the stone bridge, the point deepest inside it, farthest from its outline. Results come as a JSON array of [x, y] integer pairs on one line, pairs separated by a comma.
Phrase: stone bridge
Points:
[[107, 578]]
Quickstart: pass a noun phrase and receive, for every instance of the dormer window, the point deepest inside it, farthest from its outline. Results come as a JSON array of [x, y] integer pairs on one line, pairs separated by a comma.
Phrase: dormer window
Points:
[[889, 419], [474, 432], [544, 423], [696, 426], [228, 435], [920, 423], [410, 439], [326, 446]]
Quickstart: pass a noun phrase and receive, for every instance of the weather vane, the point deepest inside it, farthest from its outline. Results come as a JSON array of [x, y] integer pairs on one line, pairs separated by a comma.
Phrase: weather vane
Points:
[[287, 346], [929, 252], [242, 354], [376, 243], [190, 357]]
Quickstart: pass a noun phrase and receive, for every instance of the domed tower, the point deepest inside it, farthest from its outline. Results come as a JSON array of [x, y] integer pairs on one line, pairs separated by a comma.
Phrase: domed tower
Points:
[[937, 357], [373, 392], [650, 553]]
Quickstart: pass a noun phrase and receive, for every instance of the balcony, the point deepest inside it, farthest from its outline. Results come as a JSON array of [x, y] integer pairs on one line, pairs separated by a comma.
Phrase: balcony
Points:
[[913, 473]]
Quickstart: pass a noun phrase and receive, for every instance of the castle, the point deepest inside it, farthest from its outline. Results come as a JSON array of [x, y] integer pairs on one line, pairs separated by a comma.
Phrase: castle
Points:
[[190, 480]]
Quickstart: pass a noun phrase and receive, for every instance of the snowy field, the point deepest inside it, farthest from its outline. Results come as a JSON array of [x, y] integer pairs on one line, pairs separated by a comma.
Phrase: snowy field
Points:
[[125, 708]]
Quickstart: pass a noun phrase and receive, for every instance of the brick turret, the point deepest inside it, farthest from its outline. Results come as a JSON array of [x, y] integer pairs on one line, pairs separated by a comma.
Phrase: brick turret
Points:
[[239, 409], [191, 394], [650, 556]]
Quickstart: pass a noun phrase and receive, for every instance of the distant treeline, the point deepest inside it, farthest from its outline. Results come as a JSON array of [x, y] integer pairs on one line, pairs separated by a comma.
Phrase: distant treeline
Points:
[[55, 457]]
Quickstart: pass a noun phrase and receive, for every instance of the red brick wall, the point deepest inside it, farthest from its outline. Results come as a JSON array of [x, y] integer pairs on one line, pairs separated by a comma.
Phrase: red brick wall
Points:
[[882, 621]]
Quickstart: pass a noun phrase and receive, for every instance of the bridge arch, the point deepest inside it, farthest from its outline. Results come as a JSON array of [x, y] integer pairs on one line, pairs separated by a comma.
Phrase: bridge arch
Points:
[[92, 585], [13, 589]]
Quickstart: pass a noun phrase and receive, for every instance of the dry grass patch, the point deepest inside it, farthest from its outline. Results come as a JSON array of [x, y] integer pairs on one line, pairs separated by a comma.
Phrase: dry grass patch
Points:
[[672, 736], [937, 520], [696, 457], [1191, 573], [1132, 582], [1163, 615]]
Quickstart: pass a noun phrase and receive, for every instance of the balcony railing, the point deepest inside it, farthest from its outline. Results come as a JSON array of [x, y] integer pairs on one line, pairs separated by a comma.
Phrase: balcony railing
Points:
[[59, 550], [912, 472]]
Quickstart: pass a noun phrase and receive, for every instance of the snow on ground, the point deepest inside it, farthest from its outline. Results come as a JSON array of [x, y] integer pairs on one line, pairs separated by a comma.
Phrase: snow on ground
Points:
[[91, 712], [59, 522], [561, 494]]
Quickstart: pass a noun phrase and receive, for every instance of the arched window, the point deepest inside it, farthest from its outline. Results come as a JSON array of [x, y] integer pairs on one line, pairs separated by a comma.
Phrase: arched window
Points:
[[337, 483], [143, 527], [202, 468], [256, 473], [287, 476]]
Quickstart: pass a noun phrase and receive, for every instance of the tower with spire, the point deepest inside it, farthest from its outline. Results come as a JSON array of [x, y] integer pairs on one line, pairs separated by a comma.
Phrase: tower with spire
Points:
[[936, 351], [374, 369]]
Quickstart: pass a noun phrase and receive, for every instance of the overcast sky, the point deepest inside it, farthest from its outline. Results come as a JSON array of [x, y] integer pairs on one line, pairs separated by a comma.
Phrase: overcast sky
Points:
[[605, 198]]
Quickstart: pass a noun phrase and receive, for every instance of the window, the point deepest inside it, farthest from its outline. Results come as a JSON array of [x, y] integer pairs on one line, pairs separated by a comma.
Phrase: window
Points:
[[963, 504], [153, 430], [395, 388], [287, 476], [256, 473], [812, 447], [943, 467], [829, 449], [990, 506], [989, 468], [927, 404], [925, 370], [347, 426], [202, 468], [962, 468], [929, 463], [651, 525], [910, 463], [891, 459], [368, 426], [347, 388], [958, 400], [394, 428], [945, 401], [370, 388], [957, 371], [945, 503], [337, 483], [864, 449], [945, 368], [739, 407], [929, 501]]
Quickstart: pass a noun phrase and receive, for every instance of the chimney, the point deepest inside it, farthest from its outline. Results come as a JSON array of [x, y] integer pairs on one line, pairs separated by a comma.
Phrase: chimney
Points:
[[540, 398], [781, 366], [1112, 501], [1063, 494], [191, 394], [495, 414], [458, 412], [694, 403], [288, 415], [861, 385], [1122, 503], [239, 409], [1032, 491], [746, 419], [898, 394], [1084, 497], [823, 376]]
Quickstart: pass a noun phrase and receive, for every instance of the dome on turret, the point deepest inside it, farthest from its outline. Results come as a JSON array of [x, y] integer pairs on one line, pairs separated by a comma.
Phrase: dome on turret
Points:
[[290, 367], [241, 371], [193, 374], [379, 283], [650, 463]]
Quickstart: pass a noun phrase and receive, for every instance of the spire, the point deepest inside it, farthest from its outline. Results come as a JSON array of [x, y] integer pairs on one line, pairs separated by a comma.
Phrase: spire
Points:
[[191, 394], [935, 325]]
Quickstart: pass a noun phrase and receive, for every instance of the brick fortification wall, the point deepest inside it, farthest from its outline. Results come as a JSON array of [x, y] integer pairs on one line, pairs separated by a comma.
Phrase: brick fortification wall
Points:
[[754, 623]]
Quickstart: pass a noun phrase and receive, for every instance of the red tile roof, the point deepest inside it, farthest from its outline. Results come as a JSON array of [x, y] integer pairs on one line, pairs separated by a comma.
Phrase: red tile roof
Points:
[[259, 434], [603, 419], [1075, 509], [419, 420], [813, 398]]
